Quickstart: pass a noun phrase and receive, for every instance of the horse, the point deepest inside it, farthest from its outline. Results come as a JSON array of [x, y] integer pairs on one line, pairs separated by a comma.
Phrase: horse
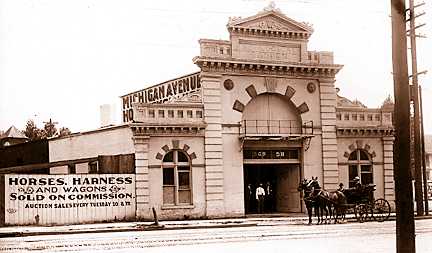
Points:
[[326, 200], [321, 199], [304, 186]]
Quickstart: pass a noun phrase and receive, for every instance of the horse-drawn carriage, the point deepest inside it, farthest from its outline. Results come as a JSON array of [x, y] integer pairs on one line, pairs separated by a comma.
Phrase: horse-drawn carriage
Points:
[[360, 199]]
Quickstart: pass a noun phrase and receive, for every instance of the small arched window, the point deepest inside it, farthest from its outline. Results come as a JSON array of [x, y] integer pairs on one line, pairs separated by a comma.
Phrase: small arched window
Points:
[[360, 164], [176, 169]]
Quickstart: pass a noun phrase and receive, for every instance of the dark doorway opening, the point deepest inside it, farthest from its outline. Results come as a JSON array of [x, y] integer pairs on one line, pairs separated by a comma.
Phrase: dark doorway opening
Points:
[[254, 176], [280, 183]]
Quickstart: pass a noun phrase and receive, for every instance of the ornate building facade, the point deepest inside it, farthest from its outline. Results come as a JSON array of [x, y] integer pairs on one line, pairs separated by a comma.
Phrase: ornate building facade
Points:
[[263, 109]]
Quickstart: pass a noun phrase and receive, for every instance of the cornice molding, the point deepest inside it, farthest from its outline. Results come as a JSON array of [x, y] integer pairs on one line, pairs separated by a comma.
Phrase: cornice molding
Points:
[[361, 109], [364, 131], [282, 68], [141, 129], [256, 32]]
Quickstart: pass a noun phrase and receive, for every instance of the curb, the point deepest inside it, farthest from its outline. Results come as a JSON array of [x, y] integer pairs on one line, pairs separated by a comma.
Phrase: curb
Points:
[[137, 228], [216, 224]]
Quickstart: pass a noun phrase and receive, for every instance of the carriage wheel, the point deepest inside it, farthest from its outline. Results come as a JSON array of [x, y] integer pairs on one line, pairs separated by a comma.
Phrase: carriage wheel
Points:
[[361, 212], [381, 210]]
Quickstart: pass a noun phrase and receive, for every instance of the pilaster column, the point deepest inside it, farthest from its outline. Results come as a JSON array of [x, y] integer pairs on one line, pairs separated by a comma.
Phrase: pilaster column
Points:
[[389, 195], [141, 144], [214, 172], [329, 142]]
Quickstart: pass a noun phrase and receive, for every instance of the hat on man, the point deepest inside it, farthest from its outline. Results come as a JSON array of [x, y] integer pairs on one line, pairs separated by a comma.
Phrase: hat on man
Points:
[[357, 178]]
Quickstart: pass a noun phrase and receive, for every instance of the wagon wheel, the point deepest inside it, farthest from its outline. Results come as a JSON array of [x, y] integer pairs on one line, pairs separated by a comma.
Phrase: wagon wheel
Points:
[[381, 210], [361, 212], [369, 212]]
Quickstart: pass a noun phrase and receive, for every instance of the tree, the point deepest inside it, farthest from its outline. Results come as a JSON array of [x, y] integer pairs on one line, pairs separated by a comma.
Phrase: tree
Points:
[[49, 130], [32, 131], [64, 131]]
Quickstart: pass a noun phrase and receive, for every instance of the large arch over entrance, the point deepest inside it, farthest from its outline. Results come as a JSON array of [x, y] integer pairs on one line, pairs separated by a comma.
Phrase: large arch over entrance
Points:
[[271, 113], [274, 163]]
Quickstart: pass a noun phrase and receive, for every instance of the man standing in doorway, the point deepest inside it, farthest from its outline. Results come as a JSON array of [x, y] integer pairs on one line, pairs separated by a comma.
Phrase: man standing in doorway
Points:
[[269, 197], [249, 198], [260, 194]]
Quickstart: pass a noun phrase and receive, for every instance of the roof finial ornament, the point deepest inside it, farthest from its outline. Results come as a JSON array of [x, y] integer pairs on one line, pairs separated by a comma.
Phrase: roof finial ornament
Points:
[[233, 19], [271, 7], [388, 102]]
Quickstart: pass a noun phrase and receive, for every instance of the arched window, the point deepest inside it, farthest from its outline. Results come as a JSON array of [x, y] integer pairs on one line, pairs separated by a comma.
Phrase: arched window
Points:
[[176, 171], [360, 164]]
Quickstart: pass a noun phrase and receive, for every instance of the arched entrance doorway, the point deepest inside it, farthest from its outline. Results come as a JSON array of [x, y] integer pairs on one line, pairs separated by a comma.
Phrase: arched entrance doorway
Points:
[[269, 158]]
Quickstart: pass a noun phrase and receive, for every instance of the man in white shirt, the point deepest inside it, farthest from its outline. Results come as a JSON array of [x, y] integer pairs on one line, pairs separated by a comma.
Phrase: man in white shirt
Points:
[[260, 193]]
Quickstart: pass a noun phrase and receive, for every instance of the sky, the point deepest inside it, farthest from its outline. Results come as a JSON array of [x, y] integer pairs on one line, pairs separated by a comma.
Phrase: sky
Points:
[[62, 59]]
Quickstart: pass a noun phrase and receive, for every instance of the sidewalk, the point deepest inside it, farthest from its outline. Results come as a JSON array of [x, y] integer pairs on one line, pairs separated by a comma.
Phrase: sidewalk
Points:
[[251, 220], [13, 231]]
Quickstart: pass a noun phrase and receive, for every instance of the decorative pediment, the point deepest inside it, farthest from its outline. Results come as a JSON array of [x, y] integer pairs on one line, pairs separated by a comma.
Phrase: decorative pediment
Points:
[[272, 23], [270, 20]]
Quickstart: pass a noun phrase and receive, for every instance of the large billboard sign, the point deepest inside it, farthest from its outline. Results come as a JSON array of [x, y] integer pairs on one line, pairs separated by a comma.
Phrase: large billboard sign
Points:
[[68, 199], [160, 93]]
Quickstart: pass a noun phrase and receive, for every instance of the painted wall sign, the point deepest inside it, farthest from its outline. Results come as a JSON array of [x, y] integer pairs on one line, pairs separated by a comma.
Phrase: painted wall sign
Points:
[[160, 93], [67, 199]]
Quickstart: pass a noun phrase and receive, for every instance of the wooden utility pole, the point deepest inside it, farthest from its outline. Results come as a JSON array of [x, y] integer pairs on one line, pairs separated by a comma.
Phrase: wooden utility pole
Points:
[[419, 166], [50, 128], [405, 237], [414, 96], [425, 182]]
